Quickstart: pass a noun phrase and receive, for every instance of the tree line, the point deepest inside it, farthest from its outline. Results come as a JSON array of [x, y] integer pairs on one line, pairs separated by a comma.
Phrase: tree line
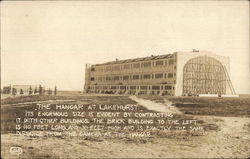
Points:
[[40, 90]]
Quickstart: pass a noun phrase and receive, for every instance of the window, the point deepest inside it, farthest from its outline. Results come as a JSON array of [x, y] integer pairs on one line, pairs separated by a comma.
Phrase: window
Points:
[[171, 62], [146, 64], [159, 63], [127, 66], [105, 87], [116, 78], [122, 87], [170, 75], [92, 78], [136, 65], [108, 68], [143, 87], [92, 69], [155, 87], [159, 75], [117, 68], [135, 77], [108, 78], [146, 76], [125, 77], [132, 87], [168, 87], [113, 87], [99, 78]]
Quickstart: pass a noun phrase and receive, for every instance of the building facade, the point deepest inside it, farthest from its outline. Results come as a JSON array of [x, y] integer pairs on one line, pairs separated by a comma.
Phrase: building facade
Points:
[[177, 74]]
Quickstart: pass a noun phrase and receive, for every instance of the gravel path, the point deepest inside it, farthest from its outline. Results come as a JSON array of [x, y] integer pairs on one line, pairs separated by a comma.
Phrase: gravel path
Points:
[[165, 107]]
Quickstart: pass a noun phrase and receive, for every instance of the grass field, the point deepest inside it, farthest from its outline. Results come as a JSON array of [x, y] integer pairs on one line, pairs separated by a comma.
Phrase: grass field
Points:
[[230, 107], [226, 132], [15, 107]]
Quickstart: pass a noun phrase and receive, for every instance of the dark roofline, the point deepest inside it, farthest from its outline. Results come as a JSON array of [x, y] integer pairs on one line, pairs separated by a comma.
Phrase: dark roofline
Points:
[[137, 59]]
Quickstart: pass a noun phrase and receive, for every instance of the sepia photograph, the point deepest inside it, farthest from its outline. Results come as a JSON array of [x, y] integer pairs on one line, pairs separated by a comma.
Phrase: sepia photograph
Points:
[[125, 79]]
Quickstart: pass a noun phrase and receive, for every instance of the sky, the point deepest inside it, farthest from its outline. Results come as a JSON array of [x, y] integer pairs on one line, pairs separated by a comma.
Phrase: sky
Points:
[[49, 42]]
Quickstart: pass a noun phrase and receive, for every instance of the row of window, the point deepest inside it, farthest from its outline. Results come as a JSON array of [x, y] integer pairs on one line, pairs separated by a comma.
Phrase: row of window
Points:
[[133, 87], [134, 77], [133, 65]]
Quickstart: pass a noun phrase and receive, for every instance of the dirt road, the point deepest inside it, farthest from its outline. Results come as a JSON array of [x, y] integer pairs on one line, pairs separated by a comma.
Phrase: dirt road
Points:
[[166, 107]]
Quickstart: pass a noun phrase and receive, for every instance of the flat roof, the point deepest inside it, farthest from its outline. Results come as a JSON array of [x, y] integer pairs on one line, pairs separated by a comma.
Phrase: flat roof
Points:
[[152, 57]]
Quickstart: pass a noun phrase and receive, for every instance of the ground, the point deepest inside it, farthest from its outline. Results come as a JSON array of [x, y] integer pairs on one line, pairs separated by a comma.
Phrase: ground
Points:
[[227, 130]]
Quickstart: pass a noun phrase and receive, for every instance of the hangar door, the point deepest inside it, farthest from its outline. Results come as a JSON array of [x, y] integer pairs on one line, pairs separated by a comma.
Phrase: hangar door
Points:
[[204, 75]]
